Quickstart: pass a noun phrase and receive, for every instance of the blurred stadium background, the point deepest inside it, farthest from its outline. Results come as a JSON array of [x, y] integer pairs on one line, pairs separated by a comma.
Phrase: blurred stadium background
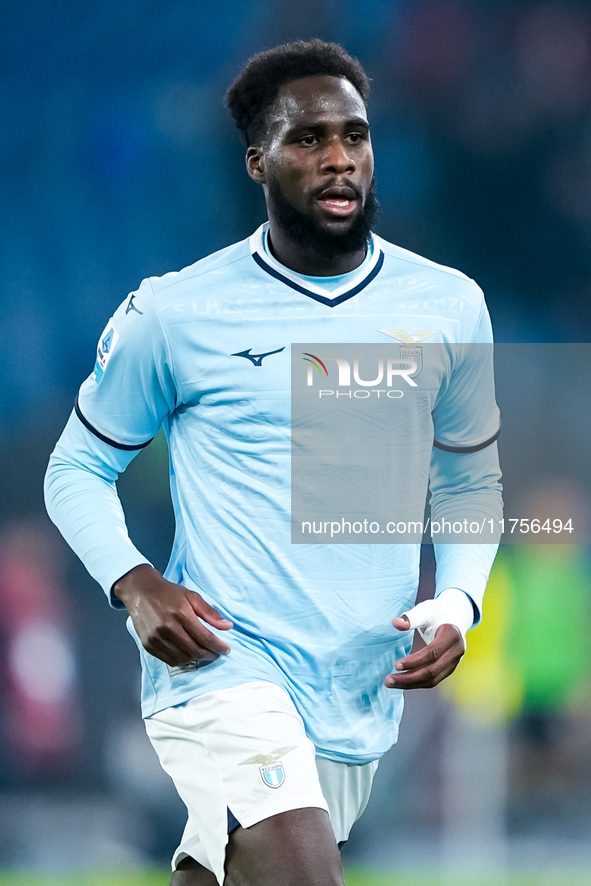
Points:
[[118, 161]]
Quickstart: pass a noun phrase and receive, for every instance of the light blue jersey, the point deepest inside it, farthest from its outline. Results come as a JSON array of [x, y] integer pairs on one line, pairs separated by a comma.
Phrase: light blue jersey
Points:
[[205, 352]]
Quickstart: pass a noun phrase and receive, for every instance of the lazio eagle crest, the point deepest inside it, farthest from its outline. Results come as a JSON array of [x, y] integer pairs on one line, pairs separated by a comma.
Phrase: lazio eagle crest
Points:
[[272, 772], [412, 340]]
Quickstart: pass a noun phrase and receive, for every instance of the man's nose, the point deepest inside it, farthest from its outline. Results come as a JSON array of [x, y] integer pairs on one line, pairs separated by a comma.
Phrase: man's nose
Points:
[[337, 159]]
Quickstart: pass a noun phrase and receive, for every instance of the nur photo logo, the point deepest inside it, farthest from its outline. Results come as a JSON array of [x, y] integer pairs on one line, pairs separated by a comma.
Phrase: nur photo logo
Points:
[[385, 372]]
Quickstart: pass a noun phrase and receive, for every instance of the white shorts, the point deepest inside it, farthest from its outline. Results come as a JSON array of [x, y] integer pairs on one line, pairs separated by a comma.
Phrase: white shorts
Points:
[[244, 752]]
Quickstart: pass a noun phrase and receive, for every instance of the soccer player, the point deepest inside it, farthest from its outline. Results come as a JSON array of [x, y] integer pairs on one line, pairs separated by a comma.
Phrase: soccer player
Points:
[[272, 672]]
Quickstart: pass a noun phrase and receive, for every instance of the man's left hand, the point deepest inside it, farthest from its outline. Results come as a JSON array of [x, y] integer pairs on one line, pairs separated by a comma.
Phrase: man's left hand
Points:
[[428, 666]]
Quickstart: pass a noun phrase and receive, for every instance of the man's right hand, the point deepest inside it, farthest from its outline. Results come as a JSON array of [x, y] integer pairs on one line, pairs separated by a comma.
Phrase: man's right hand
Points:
[[167, 618]]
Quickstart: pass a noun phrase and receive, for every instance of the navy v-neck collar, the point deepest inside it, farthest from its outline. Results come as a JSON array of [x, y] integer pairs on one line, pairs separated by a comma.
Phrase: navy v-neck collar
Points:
[[356, 280]]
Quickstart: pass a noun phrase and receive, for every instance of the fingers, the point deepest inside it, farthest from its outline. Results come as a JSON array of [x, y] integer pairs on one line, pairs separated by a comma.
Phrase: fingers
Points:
[[203, 640], [177, 642], [425, 617], [429, 666], [197, 630], [208, 613], [171, 628], [446, 637], [401, 623], [171, 653]]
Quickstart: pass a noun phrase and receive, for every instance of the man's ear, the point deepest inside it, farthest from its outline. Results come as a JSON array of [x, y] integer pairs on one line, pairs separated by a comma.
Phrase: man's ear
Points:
[[255, 164]]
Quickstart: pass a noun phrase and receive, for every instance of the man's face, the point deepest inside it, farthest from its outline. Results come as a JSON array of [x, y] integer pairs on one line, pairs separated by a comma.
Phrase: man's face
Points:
[[317, 163]]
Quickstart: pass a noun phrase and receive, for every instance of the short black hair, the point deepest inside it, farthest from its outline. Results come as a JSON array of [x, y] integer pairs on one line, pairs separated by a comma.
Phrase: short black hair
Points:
[[255, 89]]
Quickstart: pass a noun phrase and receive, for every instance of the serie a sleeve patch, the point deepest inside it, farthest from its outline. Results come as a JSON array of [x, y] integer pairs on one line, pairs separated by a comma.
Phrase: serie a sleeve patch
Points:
[[105, 348]]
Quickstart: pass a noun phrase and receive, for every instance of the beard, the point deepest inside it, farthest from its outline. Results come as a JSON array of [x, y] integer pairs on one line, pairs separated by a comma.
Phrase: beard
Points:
[[307, 232]]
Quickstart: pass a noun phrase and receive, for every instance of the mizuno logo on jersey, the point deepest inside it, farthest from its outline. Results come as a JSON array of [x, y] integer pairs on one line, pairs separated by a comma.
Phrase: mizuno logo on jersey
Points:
[[131, 306], [256, 359]]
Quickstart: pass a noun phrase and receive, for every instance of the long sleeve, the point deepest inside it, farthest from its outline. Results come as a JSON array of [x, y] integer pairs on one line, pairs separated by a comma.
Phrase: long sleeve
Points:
[[466, 486], [119, 409], [81, 499], [465, 474]]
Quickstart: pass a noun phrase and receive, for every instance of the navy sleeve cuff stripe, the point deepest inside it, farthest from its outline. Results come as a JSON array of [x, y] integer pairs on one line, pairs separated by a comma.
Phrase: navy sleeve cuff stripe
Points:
[[466, 449], [102, 437]]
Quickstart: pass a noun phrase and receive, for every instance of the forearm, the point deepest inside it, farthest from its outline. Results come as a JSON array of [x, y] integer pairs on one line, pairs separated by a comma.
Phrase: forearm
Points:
[[466, 488], [81, 499], [465, 567]]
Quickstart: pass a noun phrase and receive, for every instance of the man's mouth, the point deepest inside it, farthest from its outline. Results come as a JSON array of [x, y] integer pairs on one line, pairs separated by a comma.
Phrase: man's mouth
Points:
[[339, 206], [338, 202]]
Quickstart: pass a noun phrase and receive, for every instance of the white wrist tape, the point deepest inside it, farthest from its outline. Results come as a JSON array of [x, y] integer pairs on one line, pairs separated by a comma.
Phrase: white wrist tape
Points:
[[451, 607]]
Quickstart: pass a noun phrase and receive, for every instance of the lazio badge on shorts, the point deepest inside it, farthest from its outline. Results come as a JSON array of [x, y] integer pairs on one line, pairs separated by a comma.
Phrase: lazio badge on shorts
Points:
[[272, 772], [105, 348], [273, 775]]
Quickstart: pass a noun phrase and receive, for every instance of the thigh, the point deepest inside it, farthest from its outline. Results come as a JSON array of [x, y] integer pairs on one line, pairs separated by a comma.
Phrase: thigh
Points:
[[190, 873], [292, 849]]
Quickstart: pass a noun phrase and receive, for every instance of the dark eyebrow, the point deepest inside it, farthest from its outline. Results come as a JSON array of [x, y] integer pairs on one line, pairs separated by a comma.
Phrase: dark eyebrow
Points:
[[319, 124]]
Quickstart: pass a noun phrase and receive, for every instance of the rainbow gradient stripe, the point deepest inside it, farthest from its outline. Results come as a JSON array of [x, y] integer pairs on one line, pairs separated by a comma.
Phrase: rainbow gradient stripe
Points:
[[317, 362]]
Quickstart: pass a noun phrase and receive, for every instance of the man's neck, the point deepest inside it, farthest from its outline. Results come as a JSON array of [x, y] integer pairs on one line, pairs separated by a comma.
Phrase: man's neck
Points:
[[307, 262]]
